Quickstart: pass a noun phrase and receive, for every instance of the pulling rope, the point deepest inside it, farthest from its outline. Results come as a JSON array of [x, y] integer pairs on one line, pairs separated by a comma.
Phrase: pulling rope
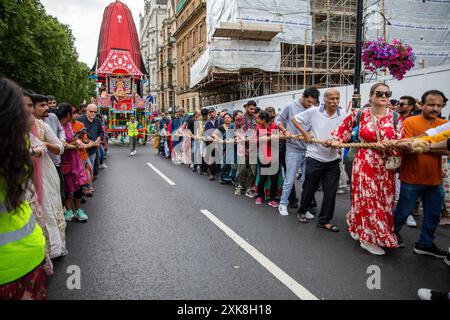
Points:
[[414, 146]]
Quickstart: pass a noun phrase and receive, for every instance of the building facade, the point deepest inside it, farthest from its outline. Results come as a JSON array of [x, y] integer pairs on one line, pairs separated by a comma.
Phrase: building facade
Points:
[[149, 38], [190, 36], [167, 61]]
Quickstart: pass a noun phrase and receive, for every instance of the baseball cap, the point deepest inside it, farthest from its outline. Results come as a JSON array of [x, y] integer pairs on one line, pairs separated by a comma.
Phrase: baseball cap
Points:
[[212, 109]]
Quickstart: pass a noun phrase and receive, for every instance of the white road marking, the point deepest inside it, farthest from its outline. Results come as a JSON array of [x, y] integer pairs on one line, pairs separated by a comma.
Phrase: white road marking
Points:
[[162, 175], [287, 280]]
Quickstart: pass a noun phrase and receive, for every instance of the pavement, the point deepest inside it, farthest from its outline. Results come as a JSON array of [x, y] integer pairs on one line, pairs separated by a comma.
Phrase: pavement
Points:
[[180, 236]]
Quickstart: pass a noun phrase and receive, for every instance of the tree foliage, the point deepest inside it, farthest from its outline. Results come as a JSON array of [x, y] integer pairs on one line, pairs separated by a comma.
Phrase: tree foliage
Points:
[[38, 52]]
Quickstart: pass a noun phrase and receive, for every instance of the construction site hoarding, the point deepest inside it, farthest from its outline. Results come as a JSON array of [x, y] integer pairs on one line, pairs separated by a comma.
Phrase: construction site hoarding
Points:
[[425, 25], [233, 55], [285, 19]]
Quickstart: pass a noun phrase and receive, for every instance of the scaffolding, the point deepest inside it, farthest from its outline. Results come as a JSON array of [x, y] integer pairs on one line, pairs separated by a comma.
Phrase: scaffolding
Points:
[[326, 60]]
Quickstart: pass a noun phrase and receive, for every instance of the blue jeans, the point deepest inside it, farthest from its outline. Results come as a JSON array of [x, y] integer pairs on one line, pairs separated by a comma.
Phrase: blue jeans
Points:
[[92, 160], [101, 152], [294, 161], [432, 198]]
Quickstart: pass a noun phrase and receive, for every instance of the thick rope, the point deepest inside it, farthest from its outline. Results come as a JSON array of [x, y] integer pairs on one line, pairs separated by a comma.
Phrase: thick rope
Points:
[[412, 146]]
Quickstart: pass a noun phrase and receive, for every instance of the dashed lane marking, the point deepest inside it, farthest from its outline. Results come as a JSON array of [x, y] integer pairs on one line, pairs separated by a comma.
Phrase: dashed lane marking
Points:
[[162, 175], [276, 271]]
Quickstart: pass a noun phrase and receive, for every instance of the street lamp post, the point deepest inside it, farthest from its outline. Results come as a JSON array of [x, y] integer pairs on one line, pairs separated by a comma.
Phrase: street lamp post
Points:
[[356, 98], [360, 21]]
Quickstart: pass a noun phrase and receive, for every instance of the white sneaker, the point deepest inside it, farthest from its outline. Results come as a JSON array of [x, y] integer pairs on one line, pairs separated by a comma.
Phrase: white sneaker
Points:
[[250, 193], [341, 191], [308, 215], [238, 191], [410, 222], [373, 249], [103, 166], [354, 236], [131, 153], [134, 152], [424, 294], [282, 209]]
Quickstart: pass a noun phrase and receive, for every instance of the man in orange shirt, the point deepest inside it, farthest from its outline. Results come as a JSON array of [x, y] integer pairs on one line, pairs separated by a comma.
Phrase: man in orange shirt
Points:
[[421, 175]]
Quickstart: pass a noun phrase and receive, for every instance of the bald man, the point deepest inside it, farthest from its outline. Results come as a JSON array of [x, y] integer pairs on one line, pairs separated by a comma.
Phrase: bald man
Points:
[[94, 130], [322, 162]]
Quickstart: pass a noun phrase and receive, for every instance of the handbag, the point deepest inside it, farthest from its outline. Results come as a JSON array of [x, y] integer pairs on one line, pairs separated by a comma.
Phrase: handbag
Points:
[[392, 162]]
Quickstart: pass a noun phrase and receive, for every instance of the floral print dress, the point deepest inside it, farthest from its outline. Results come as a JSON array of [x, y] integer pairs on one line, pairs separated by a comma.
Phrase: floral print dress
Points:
[[371, 218]]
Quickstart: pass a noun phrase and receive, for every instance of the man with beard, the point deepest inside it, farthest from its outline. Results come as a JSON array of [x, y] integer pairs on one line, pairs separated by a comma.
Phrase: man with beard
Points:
[[421, 175], [405, 106], [41, 111]]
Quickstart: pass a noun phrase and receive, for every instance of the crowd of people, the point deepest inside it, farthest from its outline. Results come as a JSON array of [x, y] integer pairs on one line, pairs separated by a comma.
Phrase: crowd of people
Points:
[[262, 154], [50, 156]]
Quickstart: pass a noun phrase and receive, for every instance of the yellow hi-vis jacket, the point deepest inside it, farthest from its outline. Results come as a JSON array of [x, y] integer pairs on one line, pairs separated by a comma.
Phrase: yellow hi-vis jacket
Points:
[[132, 129], [22, 243]]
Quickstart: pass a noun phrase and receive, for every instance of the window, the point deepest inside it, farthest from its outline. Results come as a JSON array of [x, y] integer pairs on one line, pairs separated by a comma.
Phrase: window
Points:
[[201, 33], [187, 103], [182, 76], [194, 38], [188, 45], [182, 103], [182, 48], [188, 74], [171, 100], [193, 103]]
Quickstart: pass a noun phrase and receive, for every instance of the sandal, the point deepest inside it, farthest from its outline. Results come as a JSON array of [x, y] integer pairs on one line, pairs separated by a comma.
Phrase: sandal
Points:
[[302, 218], [331, 227]]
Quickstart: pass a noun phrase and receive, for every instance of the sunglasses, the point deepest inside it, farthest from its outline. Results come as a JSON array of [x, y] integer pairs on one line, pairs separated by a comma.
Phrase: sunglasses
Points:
[[380, 94]]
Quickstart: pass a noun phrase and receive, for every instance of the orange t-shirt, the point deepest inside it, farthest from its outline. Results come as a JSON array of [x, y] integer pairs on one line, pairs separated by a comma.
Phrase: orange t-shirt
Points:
[[77, 126], [423, 169]]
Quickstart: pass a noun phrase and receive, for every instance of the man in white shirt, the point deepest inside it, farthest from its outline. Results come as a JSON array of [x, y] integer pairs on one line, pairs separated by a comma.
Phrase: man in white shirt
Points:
[[322, 162]]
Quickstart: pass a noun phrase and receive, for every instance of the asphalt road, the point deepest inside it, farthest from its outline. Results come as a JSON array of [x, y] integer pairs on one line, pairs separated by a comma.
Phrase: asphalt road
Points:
[[147, 239]]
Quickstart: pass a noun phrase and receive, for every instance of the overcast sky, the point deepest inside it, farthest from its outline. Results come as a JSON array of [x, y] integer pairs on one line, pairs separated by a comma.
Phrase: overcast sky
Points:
[[84, 18]]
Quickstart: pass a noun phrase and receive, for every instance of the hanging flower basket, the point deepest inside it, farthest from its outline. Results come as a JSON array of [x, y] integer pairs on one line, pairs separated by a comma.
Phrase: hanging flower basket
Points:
[[395, 57]]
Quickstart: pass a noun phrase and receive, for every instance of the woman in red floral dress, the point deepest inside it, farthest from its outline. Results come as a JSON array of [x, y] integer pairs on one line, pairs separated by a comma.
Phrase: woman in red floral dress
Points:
[[371, 218]]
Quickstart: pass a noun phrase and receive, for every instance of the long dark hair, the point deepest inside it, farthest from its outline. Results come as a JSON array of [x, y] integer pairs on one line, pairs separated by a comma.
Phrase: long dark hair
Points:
[[64, 109], [15, 162]]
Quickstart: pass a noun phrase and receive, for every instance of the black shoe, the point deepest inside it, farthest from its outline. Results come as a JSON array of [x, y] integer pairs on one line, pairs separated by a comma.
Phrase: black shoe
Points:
[[83, 200], [432, 250], [293, 205], [400, 240]]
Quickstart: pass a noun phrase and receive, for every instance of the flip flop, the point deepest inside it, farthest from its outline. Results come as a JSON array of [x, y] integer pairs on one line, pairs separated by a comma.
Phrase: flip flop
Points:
[[302, 218], [332, 227]]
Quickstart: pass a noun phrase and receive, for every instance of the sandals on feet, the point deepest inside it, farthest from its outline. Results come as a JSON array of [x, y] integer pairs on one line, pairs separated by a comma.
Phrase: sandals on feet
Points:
[[302, 218], [329, 227]]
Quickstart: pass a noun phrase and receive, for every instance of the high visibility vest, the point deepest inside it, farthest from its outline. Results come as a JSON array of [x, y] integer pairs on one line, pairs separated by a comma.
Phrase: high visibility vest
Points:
[[132, 129], [22, 243]]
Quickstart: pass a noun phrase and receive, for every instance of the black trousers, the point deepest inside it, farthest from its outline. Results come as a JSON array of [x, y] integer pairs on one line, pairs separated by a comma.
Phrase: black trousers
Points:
[[328, 173], [61, 179]]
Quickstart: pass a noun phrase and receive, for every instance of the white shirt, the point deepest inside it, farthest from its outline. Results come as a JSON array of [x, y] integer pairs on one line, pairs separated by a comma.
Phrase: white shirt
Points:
[[320, 125], [437, 130]]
